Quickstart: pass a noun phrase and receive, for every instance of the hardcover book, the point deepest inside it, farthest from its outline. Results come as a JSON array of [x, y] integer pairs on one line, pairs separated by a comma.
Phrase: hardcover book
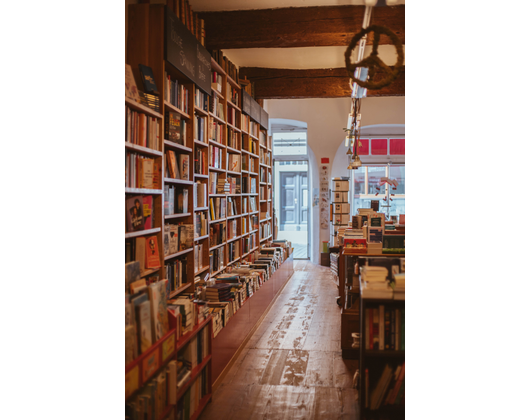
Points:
[[132, 274], [172, 164], [159, 321], [143, 318], [184, 161], [174, 128], [131, 91], [173, 239], [148, 79], [152, 258], [134, 210], [148, 209]]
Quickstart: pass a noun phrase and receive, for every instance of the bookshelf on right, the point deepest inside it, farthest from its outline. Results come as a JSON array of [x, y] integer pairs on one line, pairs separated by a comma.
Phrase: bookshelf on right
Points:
[[382, 345]]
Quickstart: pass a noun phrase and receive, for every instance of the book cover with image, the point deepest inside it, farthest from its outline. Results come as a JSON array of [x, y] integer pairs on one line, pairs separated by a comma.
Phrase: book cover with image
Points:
[[134, 210], [158, 298], [148, 211], [152, 258]]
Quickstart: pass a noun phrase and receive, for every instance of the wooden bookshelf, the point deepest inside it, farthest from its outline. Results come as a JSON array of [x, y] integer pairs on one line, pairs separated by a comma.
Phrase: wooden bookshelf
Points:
[[372, 361], [146, 45]]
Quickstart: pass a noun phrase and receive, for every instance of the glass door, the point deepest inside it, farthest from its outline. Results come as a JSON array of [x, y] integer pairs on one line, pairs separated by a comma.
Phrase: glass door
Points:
[[292, 204]]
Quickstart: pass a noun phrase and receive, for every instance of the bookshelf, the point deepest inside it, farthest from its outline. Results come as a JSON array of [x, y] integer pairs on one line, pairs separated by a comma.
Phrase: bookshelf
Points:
[[382, 360], [203, 137]]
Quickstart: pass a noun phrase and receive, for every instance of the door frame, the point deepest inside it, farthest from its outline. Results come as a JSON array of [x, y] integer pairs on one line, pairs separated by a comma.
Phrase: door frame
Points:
[[302, 158]]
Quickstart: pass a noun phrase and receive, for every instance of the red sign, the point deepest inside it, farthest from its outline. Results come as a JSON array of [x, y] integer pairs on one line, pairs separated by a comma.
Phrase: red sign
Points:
[[324, 160]]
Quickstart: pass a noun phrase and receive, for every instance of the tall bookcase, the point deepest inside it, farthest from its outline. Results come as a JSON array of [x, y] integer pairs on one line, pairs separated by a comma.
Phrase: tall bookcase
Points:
[[224, 143], [382, 370]]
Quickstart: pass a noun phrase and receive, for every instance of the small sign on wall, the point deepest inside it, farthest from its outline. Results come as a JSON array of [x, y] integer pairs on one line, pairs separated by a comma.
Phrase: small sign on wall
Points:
[[324, 193]]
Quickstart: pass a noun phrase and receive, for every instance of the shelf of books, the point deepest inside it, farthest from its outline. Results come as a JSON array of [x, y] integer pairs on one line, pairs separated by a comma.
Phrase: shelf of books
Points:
[[198, 196], [382, 343]]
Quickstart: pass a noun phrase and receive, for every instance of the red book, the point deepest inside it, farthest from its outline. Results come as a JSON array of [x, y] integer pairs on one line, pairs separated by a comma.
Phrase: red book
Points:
[[148, 211], [152, 258]]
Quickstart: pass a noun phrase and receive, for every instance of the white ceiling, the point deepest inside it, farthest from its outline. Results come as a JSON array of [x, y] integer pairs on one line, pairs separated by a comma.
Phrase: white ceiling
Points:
[[289, 58]]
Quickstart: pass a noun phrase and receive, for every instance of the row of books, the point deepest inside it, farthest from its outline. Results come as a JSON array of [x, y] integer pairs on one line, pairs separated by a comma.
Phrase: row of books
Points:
[[142, 130], [385, 327], [201, 224], [216, 106], [264, 157], [263, 139], [217, 234], [233, 138], [201, 100], [136, 251], [253, 128], [146, 318], [248, 185], [216, 157], [146, 252], [226, 293], [216, 131], [201, 161], [254, 221], [250, 146], [217, 208], [214, 179], [200, 194], [175, 200], [177, 237], [141, 171], [231, 116], [178, 165], [265, 230], [265, 193], [175, 128], [265, 175], [248, 164], [139, 213], [229, 67], [176, 94], [176, 273], [231, 206], [231, 228], [190, 402], [389, 389], [233, 95], [245, 119], [217, 258], [249, 242], [154, 397], [217, 81], [233, 251], [199, 124], [189, 18], [199, 256]]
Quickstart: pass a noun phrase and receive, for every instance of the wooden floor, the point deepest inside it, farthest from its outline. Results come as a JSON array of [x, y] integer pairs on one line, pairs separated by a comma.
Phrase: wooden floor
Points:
[[292, 366]]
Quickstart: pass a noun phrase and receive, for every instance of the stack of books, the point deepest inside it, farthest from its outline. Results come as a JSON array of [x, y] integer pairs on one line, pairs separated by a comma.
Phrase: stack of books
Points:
[[223, 187], [354, 245], [399, 286], [184, 306], [375, 284], [219, 292]]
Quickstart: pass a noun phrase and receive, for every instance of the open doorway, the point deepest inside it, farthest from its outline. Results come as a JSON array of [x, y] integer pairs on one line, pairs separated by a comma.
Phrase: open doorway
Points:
[[291, 187]]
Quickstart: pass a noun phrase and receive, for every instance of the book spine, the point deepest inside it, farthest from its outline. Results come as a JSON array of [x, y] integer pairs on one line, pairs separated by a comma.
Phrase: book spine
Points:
[[402, 347], [387, 329], [392, 329]]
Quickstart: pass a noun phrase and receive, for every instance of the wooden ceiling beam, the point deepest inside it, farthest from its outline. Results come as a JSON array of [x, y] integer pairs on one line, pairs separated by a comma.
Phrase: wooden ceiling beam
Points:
[[313, 83], [296, 26]]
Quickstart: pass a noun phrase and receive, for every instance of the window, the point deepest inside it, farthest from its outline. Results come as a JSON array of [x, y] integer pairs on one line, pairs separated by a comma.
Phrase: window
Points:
[[289, 143], [366, 188]]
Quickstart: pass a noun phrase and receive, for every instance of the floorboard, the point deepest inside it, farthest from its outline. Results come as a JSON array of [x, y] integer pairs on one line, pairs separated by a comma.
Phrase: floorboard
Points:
[[292, 368]]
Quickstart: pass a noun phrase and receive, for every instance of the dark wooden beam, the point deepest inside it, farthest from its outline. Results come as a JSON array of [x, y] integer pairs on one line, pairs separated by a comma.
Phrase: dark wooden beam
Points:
[[296, 26], [314, 83]]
